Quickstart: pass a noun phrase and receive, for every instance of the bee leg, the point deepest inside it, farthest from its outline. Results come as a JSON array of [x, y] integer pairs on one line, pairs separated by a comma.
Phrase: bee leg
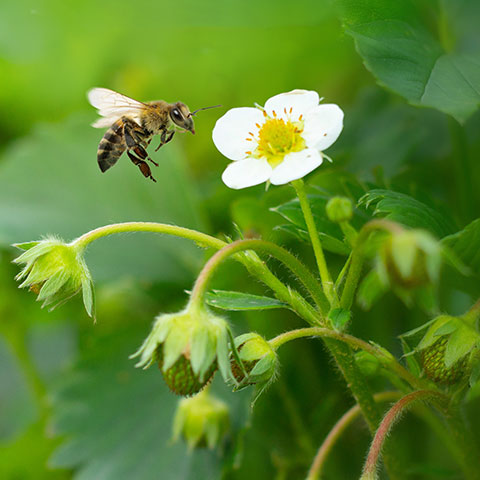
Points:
[[142, 153], [164, 138], [143, 166]]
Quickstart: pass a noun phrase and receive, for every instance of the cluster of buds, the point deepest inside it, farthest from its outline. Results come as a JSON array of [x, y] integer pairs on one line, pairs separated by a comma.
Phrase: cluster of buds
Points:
[[55, 271], [188, 347]]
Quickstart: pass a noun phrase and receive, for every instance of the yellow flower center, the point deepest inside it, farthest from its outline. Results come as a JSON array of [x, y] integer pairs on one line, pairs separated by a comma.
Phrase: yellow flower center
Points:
[[277, 138]]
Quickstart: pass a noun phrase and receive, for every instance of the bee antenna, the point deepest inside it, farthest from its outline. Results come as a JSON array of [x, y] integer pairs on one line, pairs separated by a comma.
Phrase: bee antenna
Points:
[[192, 114]]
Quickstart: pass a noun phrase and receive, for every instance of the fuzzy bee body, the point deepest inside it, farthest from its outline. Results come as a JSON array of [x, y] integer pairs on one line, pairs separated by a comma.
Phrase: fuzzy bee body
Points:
[[132, 125]]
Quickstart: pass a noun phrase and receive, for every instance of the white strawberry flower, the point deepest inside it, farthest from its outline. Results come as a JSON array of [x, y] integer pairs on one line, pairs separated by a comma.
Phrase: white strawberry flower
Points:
[[282, 142]]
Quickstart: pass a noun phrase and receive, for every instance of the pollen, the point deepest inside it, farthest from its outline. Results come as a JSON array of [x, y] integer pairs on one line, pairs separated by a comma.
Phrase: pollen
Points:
[[278, 137]]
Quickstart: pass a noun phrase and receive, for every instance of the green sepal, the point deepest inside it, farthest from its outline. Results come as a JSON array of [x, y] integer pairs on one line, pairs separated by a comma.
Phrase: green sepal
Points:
[[460, 344]]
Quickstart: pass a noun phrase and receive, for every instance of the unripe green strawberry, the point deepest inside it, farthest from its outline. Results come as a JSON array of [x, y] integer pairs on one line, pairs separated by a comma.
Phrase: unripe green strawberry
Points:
[[180, 377], [188, 346], [433, 360]]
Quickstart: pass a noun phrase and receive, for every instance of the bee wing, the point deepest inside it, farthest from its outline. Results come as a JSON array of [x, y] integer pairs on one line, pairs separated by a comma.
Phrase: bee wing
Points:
[[112, 105]]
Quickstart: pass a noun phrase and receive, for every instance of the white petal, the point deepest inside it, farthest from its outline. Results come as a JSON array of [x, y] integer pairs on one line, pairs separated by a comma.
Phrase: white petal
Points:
[[296, 165], [323, 125], [300, 101], [231, 131], [246, 173]]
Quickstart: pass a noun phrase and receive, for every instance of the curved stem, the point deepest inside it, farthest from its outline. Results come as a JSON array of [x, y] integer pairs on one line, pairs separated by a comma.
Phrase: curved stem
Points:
[[198, 237], [327, 283], [384, 357], [335, 433], [299, 270], [392, 416], [358, 258]]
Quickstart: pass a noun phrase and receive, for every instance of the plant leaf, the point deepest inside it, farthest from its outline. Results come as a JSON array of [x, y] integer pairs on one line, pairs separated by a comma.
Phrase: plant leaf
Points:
[[238, 301], [400, 49], [404, 209]]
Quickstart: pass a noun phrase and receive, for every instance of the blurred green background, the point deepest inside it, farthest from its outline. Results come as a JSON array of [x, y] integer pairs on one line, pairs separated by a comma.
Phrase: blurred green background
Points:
[[71, 403]]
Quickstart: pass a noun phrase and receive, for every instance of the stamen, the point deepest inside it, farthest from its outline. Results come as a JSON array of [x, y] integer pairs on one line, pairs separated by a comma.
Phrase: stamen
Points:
[[264, 113], [273, 113], [249, 139], [300, 118], [258, 125], [250, 133], [291, 109]]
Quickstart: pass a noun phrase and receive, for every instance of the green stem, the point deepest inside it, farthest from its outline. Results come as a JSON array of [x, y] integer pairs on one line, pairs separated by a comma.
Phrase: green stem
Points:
[[335, 433], [392, 416], [358, 257], [327, 283], [200, 238], [298, 269], [385, 359]]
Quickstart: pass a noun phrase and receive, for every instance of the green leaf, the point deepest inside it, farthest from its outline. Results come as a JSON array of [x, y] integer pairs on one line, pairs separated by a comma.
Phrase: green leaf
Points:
[[465, 244], [238, 301], [401, 208], [416, 50], [116, 420], [63, 192]]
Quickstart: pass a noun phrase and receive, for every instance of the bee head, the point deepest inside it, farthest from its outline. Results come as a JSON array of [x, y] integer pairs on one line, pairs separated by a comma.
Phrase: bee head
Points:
[[181, 116]]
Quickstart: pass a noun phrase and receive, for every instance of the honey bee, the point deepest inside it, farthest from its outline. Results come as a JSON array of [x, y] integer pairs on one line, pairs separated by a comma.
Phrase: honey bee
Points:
[[132, 124]]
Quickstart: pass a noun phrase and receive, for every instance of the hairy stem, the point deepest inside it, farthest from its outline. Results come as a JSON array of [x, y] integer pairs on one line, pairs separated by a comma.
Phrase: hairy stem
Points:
[[200, 238], [335, 433], [384, 357], [392, 416]]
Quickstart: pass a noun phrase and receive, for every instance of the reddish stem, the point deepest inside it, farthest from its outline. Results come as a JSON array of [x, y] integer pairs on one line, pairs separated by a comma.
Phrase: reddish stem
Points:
[[392, 416]]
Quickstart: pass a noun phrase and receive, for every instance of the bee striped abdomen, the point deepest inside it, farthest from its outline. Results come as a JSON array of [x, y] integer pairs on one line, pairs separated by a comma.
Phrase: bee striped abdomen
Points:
[[111, 146]]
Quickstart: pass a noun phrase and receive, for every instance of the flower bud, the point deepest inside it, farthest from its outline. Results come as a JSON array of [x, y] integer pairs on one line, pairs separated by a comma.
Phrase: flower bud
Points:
[[202, 420], [55, 271], [410, 259], [259, 360], [188, 347], [339, 209]]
